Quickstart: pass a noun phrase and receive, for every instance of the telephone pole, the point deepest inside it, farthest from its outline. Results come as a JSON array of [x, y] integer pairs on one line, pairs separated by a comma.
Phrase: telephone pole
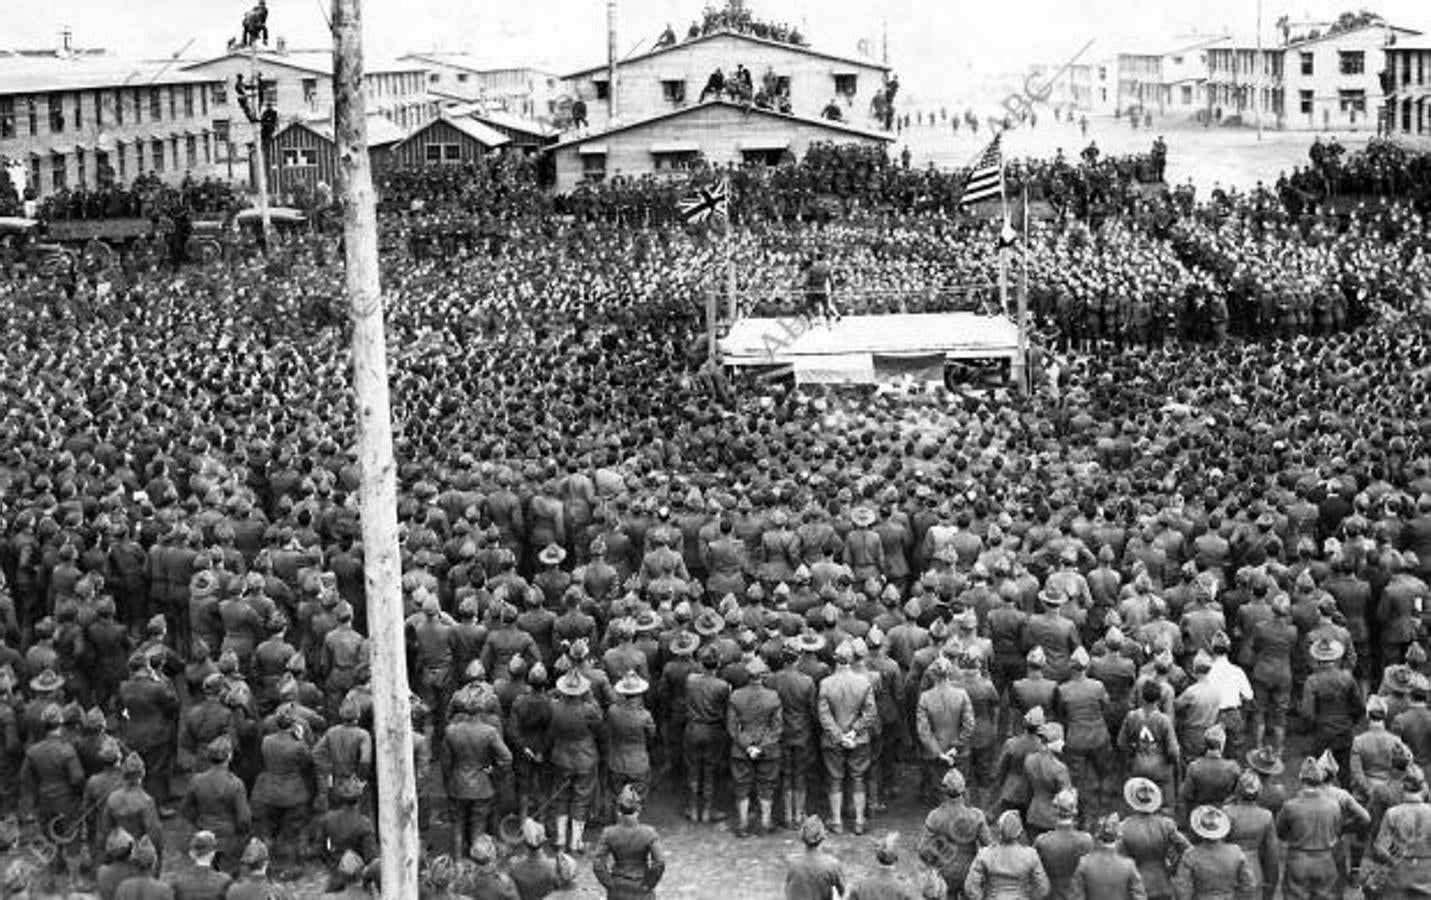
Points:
[[613, 107], [392, 717], [260, 176]]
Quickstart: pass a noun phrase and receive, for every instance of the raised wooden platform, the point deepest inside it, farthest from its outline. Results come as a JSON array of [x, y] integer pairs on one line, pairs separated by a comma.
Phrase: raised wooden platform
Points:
[[867, 349]]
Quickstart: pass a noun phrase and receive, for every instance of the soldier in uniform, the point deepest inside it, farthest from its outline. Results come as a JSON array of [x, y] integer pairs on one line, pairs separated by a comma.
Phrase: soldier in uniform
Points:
[[1007, 867], [753, 719], [797, 693], [536, 873], [576, 728], [1210, 778], [1035, 688], [631, 729], [1332, 701], [944, 722], [473, 756], [1082, 705], [953, 833], [216, 802], [1105, 872], [845, 704], [202, 880], [707, 697], [345, 829], [150, 711], [628, 860], [130, 808], [813, 874], [282, 795], [1213, 868], [1060, 849], [1401, 849], [1310, 824], [1150, 838], [51, 778], [254, 883], [1252, 830]]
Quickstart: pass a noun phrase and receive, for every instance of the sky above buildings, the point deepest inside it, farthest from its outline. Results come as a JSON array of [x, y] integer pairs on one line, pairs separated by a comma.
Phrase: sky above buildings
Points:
[[938, 47]]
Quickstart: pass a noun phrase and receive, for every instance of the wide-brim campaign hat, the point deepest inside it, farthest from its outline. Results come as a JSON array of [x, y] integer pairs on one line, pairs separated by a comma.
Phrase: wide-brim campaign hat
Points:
[[46, 682], [808, 642], [1143, 795], [685, 644], [573, 684], [646, 620], [1210, 823], [709, 623], [631, 685], [1327, 650], [551, 555], [1266, 761]]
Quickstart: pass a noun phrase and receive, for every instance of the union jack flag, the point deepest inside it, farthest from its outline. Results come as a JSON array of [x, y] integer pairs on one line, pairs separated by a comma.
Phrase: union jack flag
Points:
[[712, 200]]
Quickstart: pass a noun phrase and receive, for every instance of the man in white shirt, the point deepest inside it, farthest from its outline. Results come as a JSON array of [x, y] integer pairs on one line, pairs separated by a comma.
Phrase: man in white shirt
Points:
[[1234, 690]]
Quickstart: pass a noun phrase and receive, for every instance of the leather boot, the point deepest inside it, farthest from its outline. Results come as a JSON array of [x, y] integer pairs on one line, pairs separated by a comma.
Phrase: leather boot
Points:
[[578, 828], [859, 802], [711, 813], [742, 817], [837, 804], [799, 802], [767, 816], [561, 823], [693, 800]]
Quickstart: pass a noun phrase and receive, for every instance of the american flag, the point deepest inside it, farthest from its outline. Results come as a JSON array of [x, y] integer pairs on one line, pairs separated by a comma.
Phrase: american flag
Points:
[[712, 200], [986, 179]]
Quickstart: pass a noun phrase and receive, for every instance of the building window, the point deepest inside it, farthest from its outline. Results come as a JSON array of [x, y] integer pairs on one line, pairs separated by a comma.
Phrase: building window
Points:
[[203, 101], [57, 113], [220, 92], [846, 85], [81, 177], [310, 91], [1352, 100], [156, 153], [32, 114], [443, 153], [173, 104], [603, 89], [58, 173], [674, 162], [208, 149], [7, 117], [78, 111], [593, 166], [103, 169], [98, 97], [119, 107], [1306, 102], [188, 101], [300, 158], [461, 77], [191, 150], [1307, 65], [1187, 95], [156, 105], [674, 91], [1102, 73], [1352, 62], [433, 78], [1421, 68], [121, 157]]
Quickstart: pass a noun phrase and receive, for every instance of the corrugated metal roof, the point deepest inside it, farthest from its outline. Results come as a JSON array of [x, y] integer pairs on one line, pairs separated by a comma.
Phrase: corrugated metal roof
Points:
[[381, 131], [33, 75], [482, 134]]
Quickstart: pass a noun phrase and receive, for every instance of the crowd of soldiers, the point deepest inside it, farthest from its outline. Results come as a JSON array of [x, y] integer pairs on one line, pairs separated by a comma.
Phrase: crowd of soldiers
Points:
[[1079, 627], [147, 197]]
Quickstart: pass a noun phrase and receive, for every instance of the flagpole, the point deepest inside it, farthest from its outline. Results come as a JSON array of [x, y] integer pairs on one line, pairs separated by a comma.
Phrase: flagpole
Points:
[[1003, 257], [1021, 364]]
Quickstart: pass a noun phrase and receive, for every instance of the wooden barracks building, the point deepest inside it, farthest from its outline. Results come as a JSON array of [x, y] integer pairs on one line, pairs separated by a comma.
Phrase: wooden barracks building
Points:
[[663, 123]]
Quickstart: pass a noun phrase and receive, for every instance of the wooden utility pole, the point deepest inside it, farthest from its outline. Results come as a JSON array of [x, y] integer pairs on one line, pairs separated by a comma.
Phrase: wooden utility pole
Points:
[[260, 176], [382, 568], [613, 106]]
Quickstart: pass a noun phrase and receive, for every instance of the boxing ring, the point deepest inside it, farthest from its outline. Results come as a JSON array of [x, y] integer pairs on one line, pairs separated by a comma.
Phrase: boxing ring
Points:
[[867, 349]]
